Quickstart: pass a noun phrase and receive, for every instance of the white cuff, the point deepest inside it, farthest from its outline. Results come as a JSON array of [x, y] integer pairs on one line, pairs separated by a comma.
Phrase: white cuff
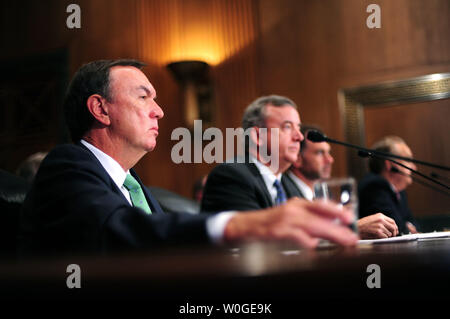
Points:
[[215, 226]]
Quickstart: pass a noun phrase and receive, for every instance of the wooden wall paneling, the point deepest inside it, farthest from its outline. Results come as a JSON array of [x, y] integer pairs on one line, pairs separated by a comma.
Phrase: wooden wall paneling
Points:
[[218, 32], [307, 50]]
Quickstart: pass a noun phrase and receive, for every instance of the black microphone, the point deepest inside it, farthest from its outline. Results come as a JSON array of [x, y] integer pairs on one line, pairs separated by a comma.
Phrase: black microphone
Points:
[[317, 137], [396, 170]]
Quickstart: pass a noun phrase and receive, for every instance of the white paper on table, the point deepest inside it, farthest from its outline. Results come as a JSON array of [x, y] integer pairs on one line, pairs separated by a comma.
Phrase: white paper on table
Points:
[[409, 237]]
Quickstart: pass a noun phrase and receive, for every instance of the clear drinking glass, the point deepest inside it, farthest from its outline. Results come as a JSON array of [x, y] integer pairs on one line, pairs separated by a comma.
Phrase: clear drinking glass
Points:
[[341, 191]]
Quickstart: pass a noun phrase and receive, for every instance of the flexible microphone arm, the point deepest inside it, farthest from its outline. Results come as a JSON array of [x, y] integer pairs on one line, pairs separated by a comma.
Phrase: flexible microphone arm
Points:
[[440, 177], [370, 154], [316, 136], [423, 183]]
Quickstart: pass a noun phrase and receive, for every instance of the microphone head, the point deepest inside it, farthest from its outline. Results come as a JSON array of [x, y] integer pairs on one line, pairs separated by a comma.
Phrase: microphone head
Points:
[[316, 136], [364, 153]]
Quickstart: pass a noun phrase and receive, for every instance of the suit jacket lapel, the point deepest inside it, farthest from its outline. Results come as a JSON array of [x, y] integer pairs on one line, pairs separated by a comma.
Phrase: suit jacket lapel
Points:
[[290, 187], [261, 185]]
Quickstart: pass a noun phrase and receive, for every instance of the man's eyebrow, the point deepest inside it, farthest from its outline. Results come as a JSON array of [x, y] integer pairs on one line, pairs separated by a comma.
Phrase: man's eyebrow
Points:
[[142, 87], [291, 122]]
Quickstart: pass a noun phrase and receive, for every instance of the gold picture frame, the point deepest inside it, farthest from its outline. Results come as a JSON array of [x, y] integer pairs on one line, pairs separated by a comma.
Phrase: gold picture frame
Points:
[[353, 100]]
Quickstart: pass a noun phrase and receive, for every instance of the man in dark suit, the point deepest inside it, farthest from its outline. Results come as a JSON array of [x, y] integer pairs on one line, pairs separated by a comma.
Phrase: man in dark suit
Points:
[[314, 163], [272, 124], [87, 198], [383, 189]]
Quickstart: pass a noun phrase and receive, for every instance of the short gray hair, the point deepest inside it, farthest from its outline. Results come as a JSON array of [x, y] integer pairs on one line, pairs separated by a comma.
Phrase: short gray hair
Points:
[[255, 113], [386, 145]]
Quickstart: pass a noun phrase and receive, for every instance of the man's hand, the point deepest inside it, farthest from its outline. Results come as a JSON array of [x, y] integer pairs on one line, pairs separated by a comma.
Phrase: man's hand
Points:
[[377, 226], [412, 229], [300, 221]]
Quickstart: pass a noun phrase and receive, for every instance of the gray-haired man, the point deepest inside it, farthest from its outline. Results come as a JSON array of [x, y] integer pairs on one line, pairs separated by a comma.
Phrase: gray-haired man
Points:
[[273, 125]]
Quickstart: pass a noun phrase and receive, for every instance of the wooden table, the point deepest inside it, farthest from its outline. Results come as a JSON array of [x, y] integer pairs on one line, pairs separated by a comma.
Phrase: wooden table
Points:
[[255, 273]]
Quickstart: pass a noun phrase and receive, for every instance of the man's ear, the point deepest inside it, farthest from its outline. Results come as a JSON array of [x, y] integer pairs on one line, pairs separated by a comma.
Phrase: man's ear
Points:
[[387, 165], [98, 108]]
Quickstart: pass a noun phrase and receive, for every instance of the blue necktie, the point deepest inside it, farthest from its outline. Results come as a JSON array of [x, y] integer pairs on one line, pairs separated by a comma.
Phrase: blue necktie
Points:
[[281, 196]]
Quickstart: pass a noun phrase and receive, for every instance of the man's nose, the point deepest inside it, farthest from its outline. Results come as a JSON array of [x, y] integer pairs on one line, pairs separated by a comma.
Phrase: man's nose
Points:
[[330, 158], [157, 112], [298, 136]]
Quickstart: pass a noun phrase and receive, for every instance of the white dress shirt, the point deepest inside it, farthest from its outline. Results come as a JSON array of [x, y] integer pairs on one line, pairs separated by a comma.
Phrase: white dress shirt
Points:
[[305, 189], [215, 225]]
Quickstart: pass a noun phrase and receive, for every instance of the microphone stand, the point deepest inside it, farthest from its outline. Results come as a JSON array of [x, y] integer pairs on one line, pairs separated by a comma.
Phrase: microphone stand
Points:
[[319, 137], [370, 154], [440, 177], [421, 182]]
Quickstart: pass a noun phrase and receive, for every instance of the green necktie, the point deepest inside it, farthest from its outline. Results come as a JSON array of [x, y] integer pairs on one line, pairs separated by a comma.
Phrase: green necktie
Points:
[[136, 194]]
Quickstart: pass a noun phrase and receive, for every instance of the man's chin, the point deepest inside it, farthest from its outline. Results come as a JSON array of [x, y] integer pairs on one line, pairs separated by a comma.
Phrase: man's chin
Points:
[[292, 158], [325, 176], [150, 147]]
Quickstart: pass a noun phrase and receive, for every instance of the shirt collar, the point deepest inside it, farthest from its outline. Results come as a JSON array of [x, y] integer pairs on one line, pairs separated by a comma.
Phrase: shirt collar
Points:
[[268, 176], [111, 166], [393, 188]]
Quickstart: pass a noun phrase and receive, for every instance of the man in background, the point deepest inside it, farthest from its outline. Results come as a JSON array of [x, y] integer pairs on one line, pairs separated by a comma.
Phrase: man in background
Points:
[[383, 189], [197, 190], [254, 182], [30, 166], [315, 162]]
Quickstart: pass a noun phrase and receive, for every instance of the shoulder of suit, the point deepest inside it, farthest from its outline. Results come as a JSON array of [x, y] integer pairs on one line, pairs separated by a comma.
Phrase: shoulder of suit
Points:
[[67, 150], [234, 167], [66, 156], [371, 181]]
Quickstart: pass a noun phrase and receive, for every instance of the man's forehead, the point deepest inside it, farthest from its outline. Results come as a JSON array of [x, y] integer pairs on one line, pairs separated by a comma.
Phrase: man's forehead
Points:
[[130, 75], [125, 70], [403, 150], [317, 145], [280, 111]]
